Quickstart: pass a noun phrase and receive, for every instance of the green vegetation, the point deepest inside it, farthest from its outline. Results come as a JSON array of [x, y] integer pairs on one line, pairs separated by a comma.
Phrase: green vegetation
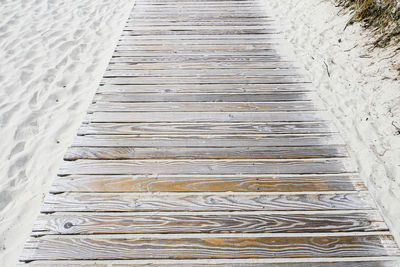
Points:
[[383, 16]]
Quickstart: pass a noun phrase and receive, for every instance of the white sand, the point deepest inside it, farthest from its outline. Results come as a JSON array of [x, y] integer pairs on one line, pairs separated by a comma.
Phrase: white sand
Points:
[[53, 54], [362, 89]]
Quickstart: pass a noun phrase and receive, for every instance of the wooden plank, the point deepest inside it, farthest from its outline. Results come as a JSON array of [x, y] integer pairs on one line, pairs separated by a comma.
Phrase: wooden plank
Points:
[[204, 88], [241, 37], [193, 73], [206, 166], [196, 16], [104, 106], [196, 32], [204, 128], [205, 80], [201, 66], [198, 58], [128, 223], [200, 52], [168, 9], [208, 97], [325, 262], [200, 22], [216, 4], [208, 141], [206, 116], [74, 153], [207, 183], [183, 22], [129, 202], [191, 47], [109, 247], [142, 40], [135, 27]]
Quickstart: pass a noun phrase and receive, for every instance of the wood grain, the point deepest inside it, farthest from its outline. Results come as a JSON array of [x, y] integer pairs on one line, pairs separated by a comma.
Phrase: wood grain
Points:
[[191, 73], [198, 66], [253, 140], [203, 88], [123, 223], [326, 262], [201, 128], [116, 153], [206, 58], [203, 79], [124, 202], [189, 97], [206, 183], [100, 106], [206, 116], [92, 247], [220, 166]]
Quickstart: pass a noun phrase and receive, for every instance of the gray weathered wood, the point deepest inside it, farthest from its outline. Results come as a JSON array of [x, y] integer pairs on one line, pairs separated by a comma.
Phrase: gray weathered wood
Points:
[[204, 128], [208, 141], [204, 88], [124, 202], [75, 153], [206, 166], [301, 116], [128, 223], [211, 183], [93, 247], [216, 106]]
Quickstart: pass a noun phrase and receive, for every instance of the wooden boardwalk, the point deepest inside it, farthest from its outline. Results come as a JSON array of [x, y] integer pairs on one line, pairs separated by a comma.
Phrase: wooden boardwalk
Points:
[[204, 146]]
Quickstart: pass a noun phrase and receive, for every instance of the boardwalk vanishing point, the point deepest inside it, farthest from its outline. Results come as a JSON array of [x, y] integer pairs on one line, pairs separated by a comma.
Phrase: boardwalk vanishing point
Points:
[[206, 147]]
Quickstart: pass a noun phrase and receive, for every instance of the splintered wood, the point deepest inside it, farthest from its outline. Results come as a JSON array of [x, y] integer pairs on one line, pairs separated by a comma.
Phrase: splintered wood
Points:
[[205, 146]]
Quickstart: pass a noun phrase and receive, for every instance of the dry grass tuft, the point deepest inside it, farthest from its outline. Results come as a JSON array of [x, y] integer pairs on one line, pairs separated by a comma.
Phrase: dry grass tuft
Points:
[[383, 16]]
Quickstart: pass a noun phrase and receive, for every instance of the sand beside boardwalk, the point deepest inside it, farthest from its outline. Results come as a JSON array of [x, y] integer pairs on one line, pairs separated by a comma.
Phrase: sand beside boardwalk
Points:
[[53, 55], [360, 87]]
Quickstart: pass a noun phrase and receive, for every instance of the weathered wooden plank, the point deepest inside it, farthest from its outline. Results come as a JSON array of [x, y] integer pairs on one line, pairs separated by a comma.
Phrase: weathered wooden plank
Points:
[[124, 202], [183, 22], [200, 52], [208, 141], [196, 73], [198, 32], [204, 88], [135, 27], [168, 9], [205, 128], [216, 4], [74, 153], [206, 183], [201, 66], [301, 262], [198, 58], [109, 247], [206, 166], [241, 37], [205, 80], [204, 41], [208, 97], [104, 106], [196, 16], [206, 116], [200, 22], [190, 47], [128, 223]]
